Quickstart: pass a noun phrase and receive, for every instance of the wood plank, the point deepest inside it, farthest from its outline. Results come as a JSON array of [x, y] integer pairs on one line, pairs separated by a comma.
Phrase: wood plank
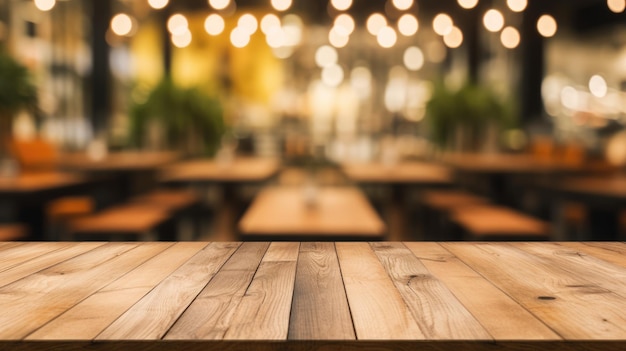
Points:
[[378, 310], [168, 300], [263, 313], [559, 298], [106, 305], [483, 300], [602, 275], [211, 313], [610, 252], [33, 301], [320, 308], [436, 310], [18, 254], [44, 261]]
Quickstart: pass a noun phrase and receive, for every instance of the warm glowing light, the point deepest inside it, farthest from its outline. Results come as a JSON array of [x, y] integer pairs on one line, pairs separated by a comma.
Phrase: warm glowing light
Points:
[[276, 38], [569, 97], [442, 24], [182, 40], [239, 37], [402, 4], [281, 5], [493, 20], [344, 24], [158, 4], [413, 58], [177, 24], [326, 56], [292, 26], [332, 75], [454, 39], [121, 24], [219, 4], [270, 23], [375, 22], [341, 5], [248, 23], [468, 4], [214, 24], [408, 25], [546, 25], [598, 86], [617, 6], [510, 37], [336, 39], [517, 5], [387, 37], [45, 5]]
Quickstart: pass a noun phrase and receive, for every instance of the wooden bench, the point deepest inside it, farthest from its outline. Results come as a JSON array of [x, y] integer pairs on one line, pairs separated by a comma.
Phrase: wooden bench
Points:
[[488, 222], [13, 232], [124, 222], [436, 207]]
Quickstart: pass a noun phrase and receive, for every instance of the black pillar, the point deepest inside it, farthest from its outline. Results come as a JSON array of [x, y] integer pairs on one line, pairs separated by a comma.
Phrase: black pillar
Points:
[[532, 49], [100, 77]]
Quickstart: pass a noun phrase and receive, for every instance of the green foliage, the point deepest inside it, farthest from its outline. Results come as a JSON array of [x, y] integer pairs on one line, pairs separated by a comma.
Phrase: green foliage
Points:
[[183, 113], [17, 90], [472, 107]]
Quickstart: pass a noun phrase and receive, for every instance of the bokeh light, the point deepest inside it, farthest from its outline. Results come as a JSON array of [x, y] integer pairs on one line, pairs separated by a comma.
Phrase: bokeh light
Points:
[[517, 5], [413, 58], [332, 75], [239, 37], [248, 23], [617, 6], [408, 25], [510, 37], [598, 86], [402, 4], [547, 26], [45, 5], [375, 22], [326, 56], [454, 39], [182, 40], [121, 24], [468, 4], [442, 24], [344, 24], [387, 37], [177, 24], [341, 5], [493, 20], [214, 24], [219, 4], [158, 4], [281, 5]]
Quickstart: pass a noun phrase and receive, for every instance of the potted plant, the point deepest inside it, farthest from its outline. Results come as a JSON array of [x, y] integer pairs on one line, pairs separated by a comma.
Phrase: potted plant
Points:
[[462, 118], [17, 92], [187, 119]]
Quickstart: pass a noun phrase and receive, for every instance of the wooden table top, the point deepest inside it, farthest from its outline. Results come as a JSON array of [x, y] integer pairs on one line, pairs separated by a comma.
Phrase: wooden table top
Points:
[[608, 186], [401, 172], [505, 163], [118, 161], [35, 182], [240, 170], [338, 212], [504, 296]]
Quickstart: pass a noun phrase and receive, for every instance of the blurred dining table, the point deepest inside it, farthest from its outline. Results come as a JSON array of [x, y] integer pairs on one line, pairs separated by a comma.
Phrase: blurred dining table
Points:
[[310, 213], [24, 196], [229, 175], [398, 176], [604, 197], [135, 171]]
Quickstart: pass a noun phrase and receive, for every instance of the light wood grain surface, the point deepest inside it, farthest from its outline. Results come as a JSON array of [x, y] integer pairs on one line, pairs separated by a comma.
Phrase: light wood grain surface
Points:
[[382, 296], [117, 161], [337, 211], [33, 182], [506, 163]]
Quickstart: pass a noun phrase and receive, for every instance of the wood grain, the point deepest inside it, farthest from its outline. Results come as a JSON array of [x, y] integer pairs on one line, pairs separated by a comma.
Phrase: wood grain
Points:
[[56, 289], [436, 310], [320, 309], [106, 305], [211, 313], [16, 254], [569, 304], [611, 252], [378, 310], [153, 315], [264, 310], [483, 299], [38, 263]]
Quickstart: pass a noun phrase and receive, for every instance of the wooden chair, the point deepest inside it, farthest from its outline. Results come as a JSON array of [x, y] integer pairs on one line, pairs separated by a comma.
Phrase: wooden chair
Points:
[[490, 223], [13, 232]]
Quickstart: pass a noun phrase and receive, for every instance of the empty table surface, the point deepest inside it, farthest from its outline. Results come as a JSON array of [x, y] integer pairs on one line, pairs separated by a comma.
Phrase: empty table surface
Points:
[[335, 212], [125, 161], [505, 163], [431, 296], [398, 173], [240, 170], [24, 184]]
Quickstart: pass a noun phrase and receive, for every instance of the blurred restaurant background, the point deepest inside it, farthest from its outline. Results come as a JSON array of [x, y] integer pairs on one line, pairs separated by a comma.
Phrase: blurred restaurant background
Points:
[[312, 120]]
